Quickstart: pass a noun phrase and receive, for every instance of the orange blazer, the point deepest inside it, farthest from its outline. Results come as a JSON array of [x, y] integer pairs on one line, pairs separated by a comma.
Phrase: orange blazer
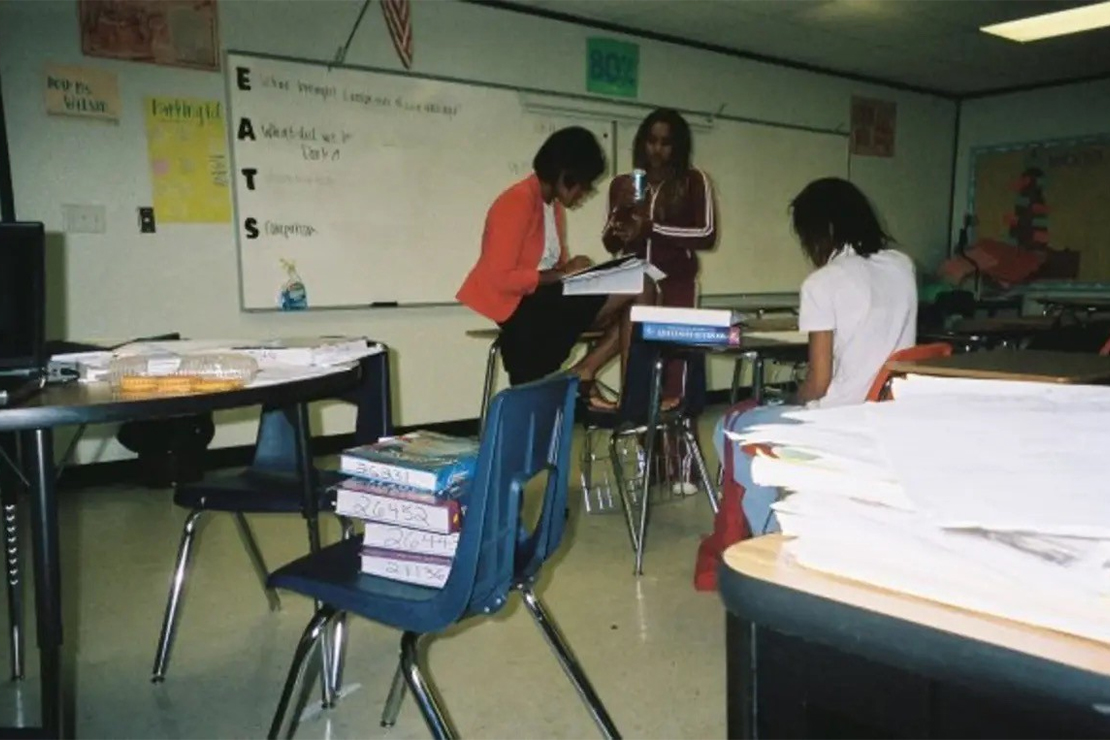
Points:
[[512, 245]]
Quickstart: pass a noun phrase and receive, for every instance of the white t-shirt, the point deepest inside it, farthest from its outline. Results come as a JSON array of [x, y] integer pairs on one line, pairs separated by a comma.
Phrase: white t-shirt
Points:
[[870, 305], [550, 238]]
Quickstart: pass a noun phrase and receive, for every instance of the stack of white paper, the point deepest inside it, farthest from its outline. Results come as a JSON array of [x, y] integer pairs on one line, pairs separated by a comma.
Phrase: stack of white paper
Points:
[[986, 495]]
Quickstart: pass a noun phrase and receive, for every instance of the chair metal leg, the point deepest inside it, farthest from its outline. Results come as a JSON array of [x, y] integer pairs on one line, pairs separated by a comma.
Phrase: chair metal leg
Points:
[[422, 691], [487, 388], [334, 665], [649, 449], [734, 389], [567, 660], [14, 582], [255, 556], [622, 489], [313, 631], [396, 695], [699, 458], [758, 367], [177, 585], [587, 467]]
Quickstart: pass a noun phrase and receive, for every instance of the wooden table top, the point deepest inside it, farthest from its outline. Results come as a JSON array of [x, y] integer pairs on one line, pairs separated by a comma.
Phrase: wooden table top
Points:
[[776, 324], [1094, 303], [1007, 364], [492, 332], [1006, 324], [762, 558]]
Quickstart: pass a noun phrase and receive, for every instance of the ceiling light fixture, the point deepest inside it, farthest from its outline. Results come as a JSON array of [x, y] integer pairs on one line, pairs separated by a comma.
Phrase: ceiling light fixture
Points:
[[1059, 23]]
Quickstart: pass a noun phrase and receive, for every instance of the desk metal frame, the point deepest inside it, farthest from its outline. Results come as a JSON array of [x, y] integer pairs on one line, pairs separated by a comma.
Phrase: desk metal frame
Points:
[[756, 603], [755, 349], [90, 404]]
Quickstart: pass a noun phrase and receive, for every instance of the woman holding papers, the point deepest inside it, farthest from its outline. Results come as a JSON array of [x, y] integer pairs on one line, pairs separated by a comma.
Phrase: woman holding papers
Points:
[[859, 306], [665, 219], [516, 281]]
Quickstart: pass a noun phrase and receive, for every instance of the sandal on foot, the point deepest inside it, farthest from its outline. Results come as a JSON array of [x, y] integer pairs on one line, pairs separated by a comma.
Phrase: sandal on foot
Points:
[[590, 395]]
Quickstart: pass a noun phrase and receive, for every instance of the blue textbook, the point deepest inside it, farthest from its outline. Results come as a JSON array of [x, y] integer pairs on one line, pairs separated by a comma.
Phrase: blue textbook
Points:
[[424, 460]]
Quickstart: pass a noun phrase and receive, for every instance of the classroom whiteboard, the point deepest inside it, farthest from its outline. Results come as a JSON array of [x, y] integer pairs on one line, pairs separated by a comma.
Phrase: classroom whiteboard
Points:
[[756, 170], [375, 185]]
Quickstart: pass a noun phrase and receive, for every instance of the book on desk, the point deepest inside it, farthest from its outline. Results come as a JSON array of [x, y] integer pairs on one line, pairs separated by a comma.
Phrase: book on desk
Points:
[[695, 326]]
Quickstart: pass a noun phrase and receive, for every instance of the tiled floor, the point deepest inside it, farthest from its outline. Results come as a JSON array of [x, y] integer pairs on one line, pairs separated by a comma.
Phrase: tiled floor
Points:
[[652, 646]]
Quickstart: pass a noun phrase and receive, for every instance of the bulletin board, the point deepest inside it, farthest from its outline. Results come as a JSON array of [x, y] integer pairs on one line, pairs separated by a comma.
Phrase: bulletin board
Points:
[[1046, 193]]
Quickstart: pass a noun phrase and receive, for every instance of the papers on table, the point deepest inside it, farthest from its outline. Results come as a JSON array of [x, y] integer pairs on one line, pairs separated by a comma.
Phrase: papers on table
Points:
[[622, 275], [987, 495], [279, 360]]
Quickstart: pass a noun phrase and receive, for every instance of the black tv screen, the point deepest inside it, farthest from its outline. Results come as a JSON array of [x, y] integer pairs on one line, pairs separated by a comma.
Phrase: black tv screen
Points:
[[22, 295]]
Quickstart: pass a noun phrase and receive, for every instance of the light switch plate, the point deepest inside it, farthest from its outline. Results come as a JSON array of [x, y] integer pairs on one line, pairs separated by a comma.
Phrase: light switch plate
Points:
[[83, 218]]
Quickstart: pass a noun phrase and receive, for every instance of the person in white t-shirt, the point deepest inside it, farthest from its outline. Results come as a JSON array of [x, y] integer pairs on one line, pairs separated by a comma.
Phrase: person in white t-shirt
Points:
[[859, 306]]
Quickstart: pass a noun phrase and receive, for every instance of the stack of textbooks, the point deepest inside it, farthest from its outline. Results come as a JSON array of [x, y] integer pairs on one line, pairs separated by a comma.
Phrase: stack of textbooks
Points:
[[409, 492], [709, 326]]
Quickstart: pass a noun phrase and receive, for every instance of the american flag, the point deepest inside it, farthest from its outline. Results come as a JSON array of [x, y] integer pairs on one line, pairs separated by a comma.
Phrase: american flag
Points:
[[399, 20]]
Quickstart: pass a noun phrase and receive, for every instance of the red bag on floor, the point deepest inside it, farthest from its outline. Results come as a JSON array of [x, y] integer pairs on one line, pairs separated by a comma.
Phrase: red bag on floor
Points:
[[729, 525]]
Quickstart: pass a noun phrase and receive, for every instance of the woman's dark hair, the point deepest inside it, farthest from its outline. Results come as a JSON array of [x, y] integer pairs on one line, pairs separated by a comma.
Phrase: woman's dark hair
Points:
[[831, 213], [573, 153], [680, 139]]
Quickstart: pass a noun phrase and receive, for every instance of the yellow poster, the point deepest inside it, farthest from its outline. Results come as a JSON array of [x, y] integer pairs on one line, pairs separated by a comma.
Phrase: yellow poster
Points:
[[187, 147]]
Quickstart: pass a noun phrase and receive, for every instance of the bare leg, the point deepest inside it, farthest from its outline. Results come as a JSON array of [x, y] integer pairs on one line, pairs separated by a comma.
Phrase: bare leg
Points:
[[617, 338], [609, 319]]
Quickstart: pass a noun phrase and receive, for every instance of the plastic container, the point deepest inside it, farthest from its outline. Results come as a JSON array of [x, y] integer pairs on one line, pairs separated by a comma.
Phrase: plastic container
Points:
[[172, 375]]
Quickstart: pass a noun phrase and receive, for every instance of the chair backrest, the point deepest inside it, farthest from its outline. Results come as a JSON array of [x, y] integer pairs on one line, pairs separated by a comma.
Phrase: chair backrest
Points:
[[528, 432], [275, 444], [636, 389], [879, 389]]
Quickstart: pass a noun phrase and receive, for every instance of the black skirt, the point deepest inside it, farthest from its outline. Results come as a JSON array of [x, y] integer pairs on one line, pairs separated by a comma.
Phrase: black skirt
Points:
[[537, 338]]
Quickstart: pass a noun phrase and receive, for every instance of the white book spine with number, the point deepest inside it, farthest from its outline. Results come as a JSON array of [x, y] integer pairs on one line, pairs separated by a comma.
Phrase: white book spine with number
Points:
[[393, 505], [422, 570], [406, 539]]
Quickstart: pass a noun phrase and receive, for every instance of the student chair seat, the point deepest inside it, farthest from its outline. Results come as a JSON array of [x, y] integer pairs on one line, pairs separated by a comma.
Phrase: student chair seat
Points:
[[270, 485], [630, 419], [880, 387], [527, 433]]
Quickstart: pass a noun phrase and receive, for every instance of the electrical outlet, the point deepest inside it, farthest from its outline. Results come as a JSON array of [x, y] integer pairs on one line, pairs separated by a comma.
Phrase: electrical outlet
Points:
[[146, 220], [83, 219]]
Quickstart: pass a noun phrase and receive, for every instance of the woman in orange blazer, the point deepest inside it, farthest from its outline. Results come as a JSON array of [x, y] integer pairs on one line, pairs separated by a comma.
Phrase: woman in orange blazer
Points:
[[516, 281]]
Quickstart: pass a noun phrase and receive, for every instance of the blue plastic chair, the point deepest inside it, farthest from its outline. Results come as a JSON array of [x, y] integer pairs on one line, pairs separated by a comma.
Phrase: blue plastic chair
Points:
[[271, 485], [528, 432]]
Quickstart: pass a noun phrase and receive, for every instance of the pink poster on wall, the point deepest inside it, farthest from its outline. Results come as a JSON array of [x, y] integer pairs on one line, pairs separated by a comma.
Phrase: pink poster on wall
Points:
[[179, 33]]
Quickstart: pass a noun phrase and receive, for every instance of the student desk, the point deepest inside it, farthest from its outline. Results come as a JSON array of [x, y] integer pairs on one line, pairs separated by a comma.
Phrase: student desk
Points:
[[1041, 366], [758, 304], [766, 339], [1075, 305], [494, 337], [93, 403], [789, 345], [1011, 332], [811, 654]]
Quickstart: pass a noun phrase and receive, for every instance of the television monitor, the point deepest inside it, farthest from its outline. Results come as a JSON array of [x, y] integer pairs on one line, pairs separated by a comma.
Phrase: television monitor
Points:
[[22, 296]]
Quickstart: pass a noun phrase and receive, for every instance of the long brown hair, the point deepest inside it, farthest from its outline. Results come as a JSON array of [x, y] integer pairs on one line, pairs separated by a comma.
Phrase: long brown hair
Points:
[[672, 191]]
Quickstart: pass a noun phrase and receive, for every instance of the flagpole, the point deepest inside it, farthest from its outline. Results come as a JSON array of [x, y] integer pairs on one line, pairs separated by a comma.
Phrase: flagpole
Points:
[[341, 53]]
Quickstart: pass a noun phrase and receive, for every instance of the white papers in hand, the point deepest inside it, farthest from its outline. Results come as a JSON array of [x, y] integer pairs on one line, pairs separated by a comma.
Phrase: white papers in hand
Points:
[[624, 275]]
